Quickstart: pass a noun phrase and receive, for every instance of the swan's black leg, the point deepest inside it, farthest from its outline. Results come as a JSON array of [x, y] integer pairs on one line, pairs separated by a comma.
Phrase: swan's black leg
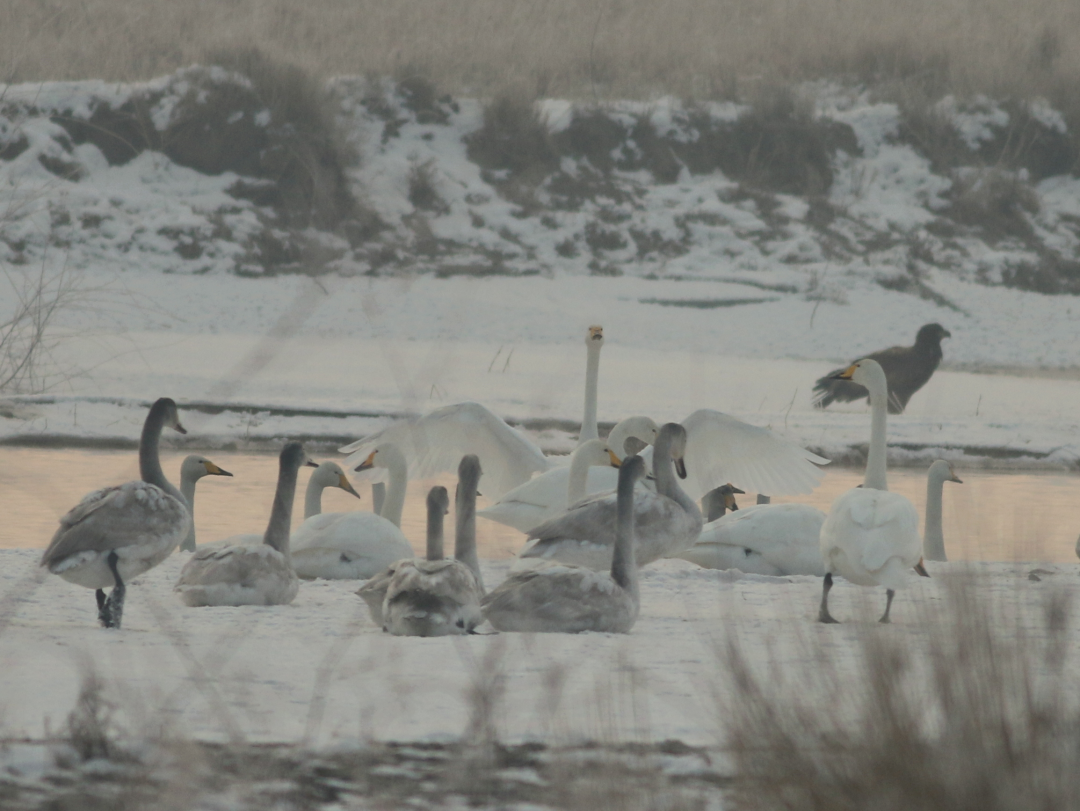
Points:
[[823, 614], [889, 594], [114, 606], [102, 614]]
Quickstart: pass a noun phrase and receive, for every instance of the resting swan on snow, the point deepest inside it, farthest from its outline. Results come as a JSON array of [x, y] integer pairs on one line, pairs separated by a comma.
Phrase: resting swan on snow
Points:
[[871, 536], [117, 533], [441, 597], [348, 545], [563, 598], [241, 574], [194, 468], [667, 521], [435, 442]]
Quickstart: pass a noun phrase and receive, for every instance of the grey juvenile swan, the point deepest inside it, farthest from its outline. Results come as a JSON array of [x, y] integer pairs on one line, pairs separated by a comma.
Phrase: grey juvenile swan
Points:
[[564, 598], [117, 533], [194, 468], [666, 521], [373, 592], [439, 598], [250, 575]]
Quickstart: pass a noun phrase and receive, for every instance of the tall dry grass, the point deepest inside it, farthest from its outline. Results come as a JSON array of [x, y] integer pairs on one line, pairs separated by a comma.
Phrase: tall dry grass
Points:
[[604, 48]]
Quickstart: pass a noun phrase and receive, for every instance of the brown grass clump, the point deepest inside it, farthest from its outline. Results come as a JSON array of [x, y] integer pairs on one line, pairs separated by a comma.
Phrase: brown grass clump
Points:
[[978, 714]]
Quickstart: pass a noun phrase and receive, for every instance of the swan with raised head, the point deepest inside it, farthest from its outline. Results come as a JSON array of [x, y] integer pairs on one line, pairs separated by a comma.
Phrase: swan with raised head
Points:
[[719, 501], [241, 574], [373, 592], [933, 534], [667, 521], [192, 469], [117, 533], [348, 545], [441, 597], [564, 598], [871, 536], [591, 470], [435, 442]]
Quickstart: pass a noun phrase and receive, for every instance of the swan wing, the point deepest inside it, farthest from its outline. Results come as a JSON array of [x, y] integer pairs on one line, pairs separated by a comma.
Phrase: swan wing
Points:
[[544, 497], [721, 449], [435, 443], [770, 538], [866, 529]]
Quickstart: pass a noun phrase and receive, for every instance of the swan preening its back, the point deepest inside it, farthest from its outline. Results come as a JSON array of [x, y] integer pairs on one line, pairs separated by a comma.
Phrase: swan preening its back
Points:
[[555, 597], [871, 536], [117, 533], [242, 574], [667, 521]]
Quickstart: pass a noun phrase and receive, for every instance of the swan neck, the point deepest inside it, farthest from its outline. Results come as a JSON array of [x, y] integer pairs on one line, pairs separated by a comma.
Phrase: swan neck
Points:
[[187, 490], [933, 535], [378, 497], [589, 429], [149, 460], [313, 497], [465, 528], [435, 534], [623, 562], [394, 502], [578, 479], [876, 478], [277, 531]]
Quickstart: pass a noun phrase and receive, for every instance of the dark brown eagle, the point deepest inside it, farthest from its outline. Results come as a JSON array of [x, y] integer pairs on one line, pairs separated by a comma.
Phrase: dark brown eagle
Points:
[[907, 368]]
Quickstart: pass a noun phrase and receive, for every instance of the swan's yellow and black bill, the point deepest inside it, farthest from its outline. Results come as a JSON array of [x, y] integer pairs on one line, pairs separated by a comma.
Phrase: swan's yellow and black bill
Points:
[[179, 428], [214, 470], [920, 569], [615, 461], [846, 374], [680, 467], [367, 464], [310, 463], [344, 484], [596, 333]]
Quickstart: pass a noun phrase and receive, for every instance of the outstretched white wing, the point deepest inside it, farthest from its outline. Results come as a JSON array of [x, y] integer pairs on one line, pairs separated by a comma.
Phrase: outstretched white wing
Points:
[[436, 441], [721, 449]]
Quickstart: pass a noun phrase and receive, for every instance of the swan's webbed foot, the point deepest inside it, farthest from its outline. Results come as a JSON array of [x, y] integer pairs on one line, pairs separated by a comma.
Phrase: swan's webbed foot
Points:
[[889, 594], [823, 612]]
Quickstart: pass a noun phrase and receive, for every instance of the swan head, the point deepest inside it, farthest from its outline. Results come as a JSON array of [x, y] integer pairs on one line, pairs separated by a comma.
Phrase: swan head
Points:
[[595, 336], [596, 453], [294, 457], [865, 372], [641, 429], [330, 474], [170, 417], [438, 501], [469, 471], [930, 334], [675, 436], [728, 492], [194, 467], [385, 456], [943, 471]]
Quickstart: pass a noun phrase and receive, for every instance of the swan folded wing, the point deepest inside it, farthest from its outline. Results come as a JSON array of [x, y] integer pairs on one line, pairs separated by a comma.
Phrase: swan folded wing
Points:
[[879, 526], [558, 597], [435, 443], [721, 449], [241, 566], [447, 580], [135, 514]]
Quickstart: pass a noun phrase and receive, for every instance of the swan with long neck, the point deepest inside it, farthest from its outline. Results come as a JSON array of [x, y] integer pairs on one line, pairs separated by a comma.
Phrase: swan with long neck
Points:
[[373, 592], [594, 342], [441, 597], [871, 536], [591, 471], [250, 575], [192, 469], [565, 598], [117, 533], [349, 545], [933, 534], [667, 520]]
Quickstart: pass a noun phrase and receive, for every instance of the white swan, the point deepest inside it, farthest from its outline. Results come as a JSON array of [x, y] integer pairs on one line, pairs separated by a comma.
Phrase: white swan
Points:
[[250, 575], [373, 592], [871, 536], [666, 521], [564, 598], [441, 597], [435, 442], [117, 533], [933, 534], [549, 494], [348, 545], [192, 469], [721, 449], [772, 539]]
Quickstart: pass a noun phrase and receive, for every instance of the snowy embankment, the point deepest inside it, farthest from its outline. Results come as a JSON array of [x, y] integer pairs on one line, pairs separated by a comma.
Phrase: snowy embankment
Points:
[[713, 292]]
